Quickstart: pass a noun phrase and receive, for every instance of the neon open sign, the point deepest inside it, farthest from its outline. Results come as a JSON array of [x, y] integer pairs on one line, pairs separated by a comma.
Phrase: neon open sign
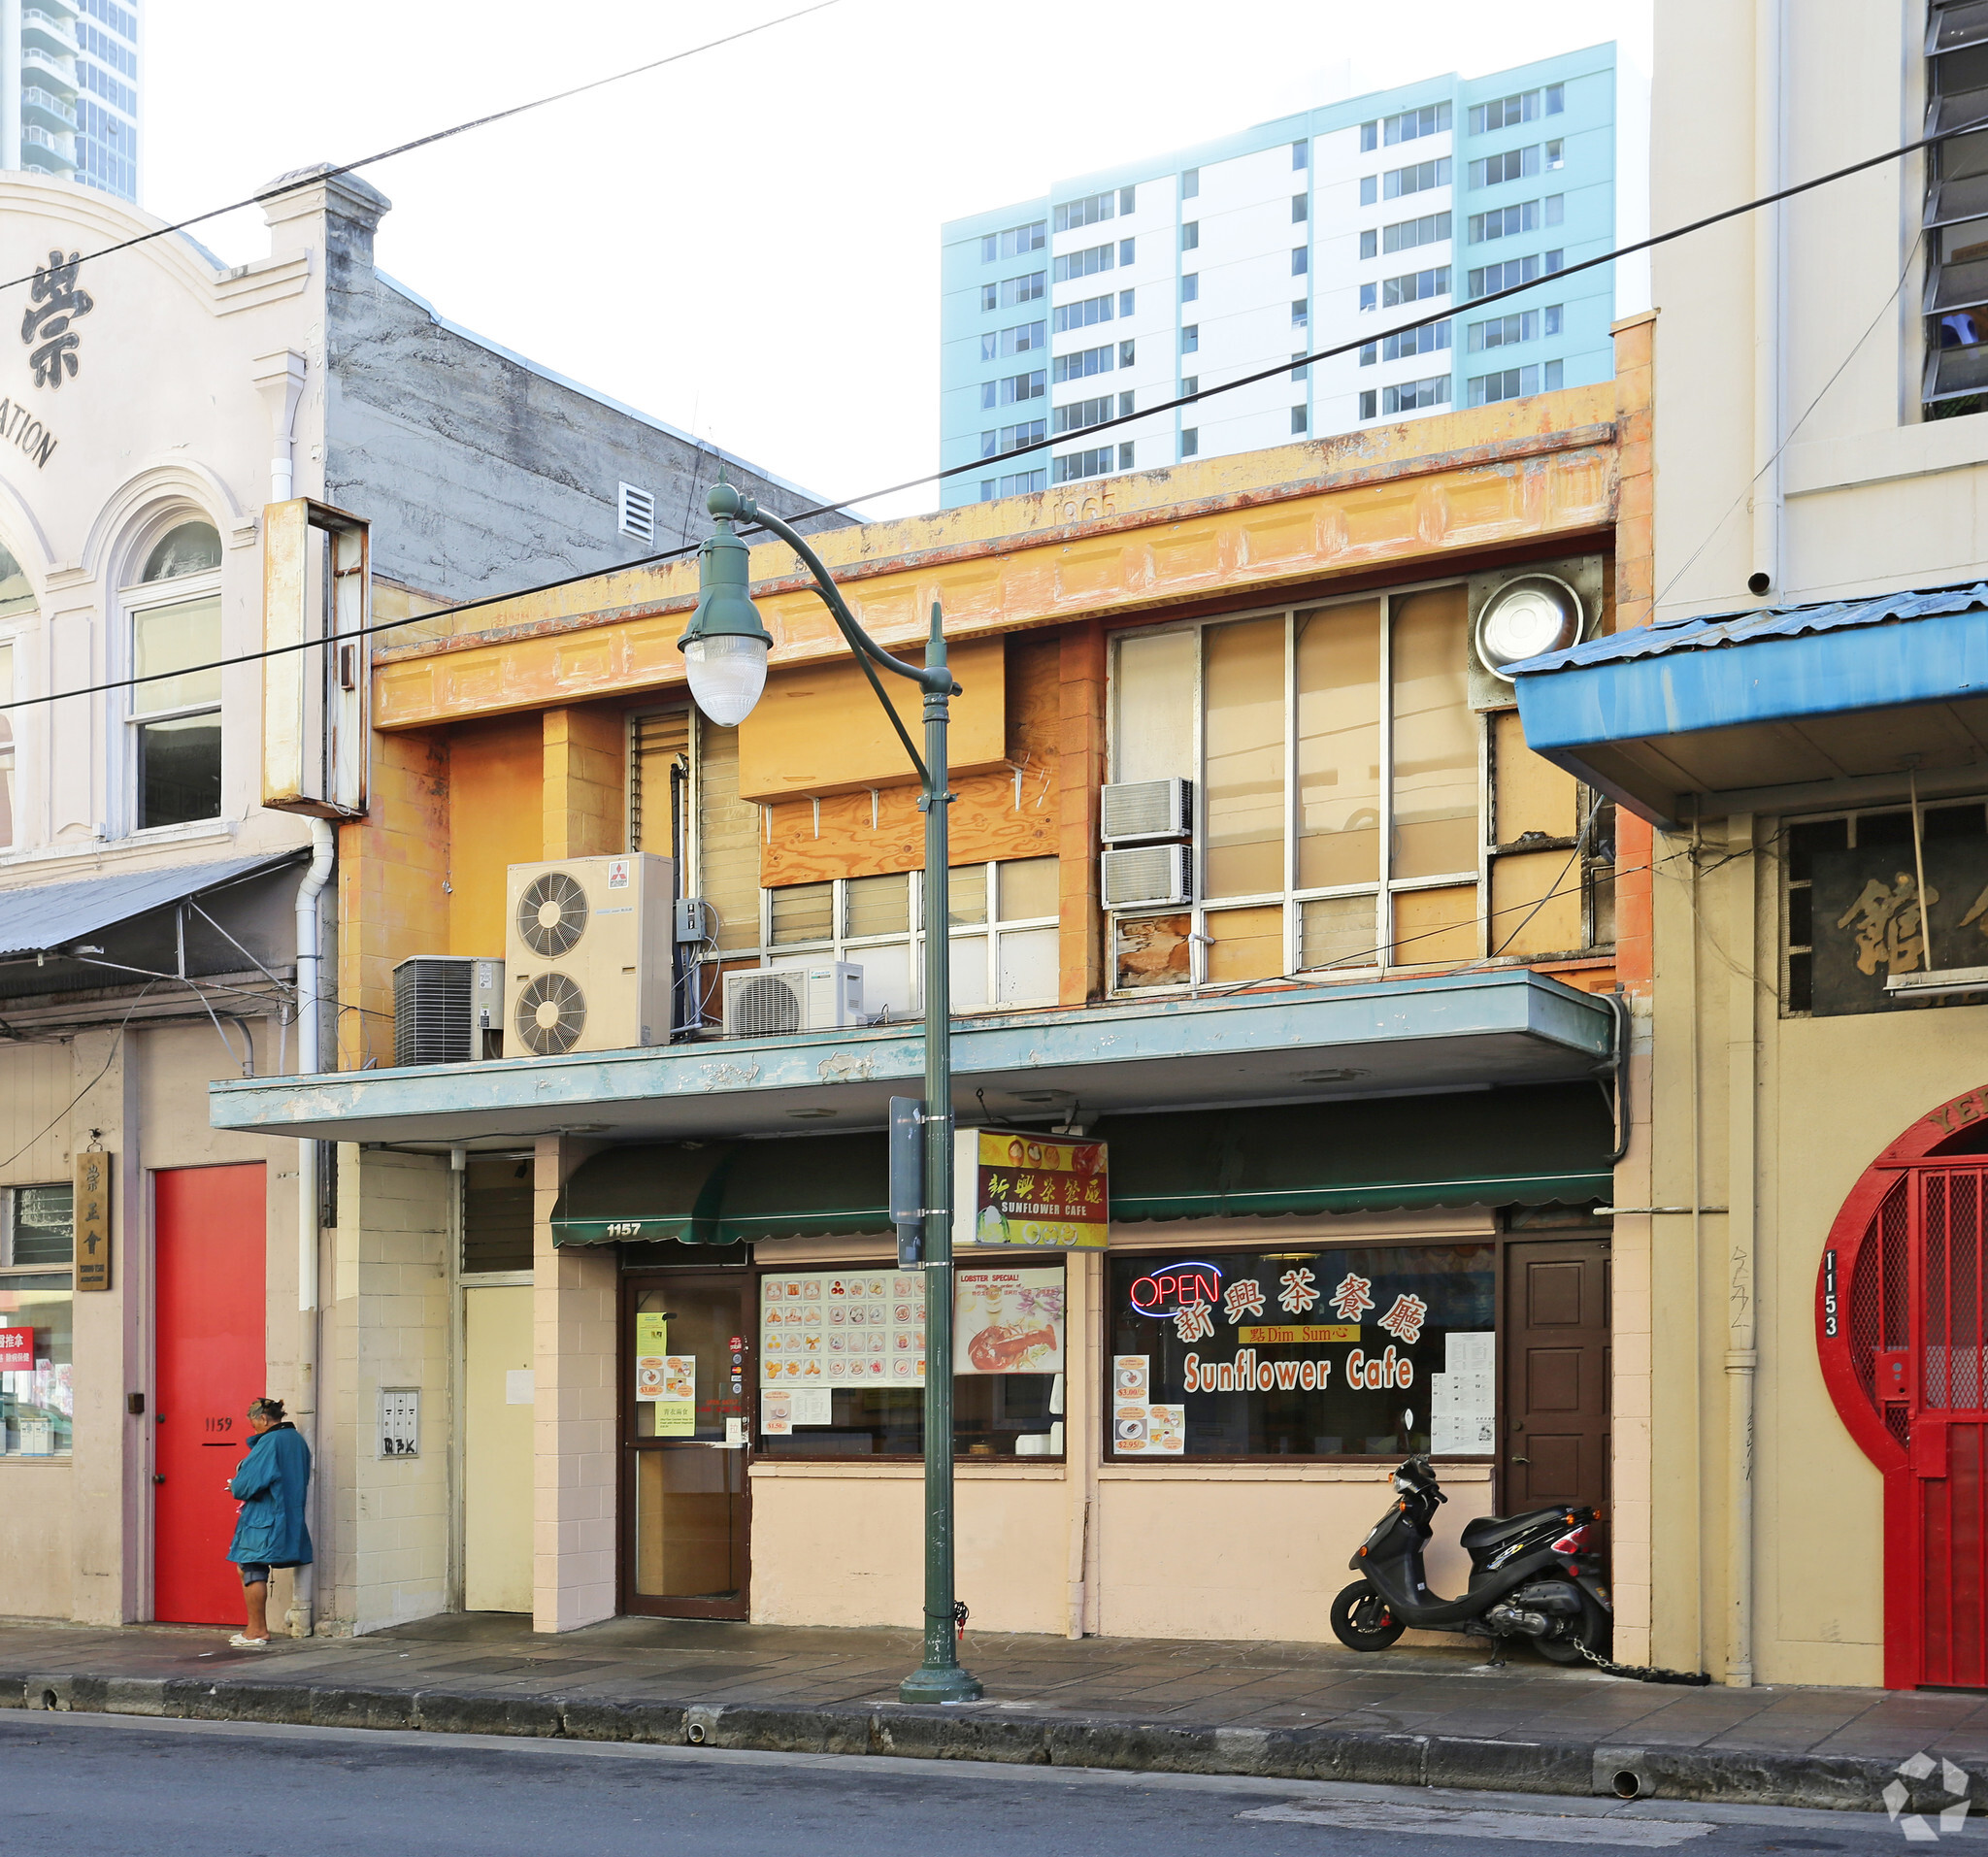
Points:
[[1164, 1293]]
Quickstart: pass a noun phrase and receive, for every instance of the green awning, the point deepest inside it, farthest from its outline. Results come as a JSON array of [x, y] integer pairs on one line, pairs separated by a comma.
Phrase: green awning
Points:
[[659, 1190], [727, 1192], [1538, 1146], [818, 1186]]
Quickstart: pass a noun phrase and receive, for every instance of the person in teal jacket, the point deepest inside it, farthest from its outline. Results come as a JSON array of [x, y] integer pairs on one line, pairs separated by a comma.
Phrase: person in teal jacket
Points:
[[271, 1485]]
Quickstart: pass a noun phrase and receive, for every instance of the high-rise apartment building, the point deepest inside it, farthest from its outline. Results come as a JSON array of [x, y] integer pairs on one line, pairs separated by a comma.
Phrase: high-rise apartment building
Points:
[[1124, 288], [69, 88]]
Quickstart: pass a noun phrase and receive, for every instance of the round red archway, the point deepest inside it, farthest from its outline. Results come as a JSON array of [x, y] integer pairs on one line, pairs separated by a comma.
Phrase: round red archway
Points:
[[1901, 1328]]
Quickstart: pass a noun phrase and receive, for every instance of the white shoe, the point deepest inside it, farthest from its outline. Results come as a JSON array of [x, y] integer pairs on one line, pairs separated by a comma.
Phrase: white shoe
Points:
[[239, 1642]]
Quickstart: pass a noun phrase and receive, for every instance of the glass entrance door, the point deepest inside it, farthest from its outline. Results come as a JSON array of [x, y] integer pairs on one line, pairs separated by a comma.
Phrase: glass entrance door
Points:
[[687, 1420]]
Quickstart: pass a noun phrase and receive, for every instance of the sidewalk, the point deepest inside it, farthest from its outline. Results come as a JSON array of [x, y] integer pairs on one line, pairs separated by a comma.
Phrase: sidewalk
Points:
[[1433, 1716]]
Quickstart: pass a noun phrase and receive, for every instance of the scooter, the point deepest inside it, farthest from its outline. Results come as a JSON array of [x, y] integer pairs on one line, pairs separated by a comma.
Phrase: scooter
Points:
[[1531, 1578]]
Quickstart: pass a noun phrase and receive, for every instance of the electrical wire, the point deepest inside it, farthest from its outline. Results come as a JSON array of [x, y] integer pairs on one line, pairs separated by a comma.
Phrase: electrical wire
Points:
[[117, 1045], [317, 177], [933, 476]]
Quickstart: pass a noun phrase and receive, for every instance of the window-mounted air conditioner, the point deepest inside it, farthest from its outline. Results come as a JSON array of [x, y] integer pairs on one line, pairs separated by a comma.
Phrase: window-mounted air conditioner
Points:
[[794, 999], [1137, 810], [1147, 877], [588, 959], [448, 1009]]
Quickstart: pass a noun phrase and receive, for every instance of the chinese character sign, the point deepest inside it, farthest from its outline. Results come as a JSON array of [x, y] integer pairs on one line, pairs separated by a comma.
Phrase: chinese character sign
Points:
[[53, 304], [1867, 920], [1029, 1191], [94, 1178]]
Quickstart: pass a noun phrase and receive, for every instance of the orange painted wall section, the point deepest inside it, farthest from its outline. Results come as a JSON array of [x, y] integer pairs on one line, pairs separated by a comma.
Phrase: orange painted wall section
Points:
[[821, 730], [496, 778]]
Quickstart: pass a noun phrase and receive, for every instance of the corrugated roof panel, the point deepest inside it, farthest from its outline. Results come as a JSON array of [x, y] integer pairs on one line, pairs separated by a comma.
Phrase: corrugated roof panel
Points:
[[52, 915], [1707, 631]]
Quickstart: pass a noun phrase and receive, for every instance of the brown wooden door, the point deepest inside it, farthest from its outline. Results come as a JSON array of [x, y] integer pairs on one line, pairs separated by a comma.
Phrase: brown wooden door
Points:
[[1555, 1447], [686, 1540]]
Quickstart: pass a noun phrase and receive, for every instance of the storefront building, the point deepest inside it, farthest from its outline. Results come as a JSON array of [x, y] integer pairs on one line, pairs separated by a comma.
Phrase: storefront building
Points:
[[178, 435], [1798, 724], [1346, 1027]]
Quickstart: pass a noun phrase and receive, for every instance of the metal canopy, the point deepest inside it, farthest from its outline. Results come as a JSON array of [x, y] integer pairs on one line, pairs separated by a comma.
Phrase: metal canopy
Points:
[[49, 917], [1459, 1030], [1697, 714]]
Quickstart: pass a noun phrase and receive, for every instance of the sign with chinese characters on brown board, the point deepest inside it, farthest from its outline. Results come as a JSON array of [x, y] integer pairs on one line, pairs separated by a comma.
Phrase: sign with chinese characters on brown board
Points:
[[95, 1175], [1867, 925], [1030, 1192]]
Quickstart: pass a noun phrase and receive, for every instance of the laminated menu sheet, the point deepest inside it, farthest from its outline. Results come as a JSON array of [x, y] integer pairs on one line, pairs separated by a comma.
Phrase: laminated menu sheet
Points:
[[1463, 1399], [841, 1328]]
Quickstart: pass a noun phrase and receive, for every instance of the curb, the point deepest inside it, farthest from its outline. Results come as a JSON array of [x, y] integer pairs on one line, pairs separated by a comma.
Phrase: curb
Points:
[[1581, 1768]]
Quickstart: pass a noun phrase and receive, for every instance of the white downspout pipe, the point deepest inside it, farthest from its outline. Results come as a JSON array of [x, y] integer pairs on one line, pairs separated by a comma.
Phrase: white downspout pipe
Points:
[[310, 1018]]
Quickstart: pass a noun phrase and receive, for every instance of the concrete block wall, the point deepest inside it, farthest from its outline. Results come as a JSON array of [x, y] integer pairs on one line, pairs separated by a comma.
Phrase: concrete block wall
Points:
[[388, 1325], [585, 796]]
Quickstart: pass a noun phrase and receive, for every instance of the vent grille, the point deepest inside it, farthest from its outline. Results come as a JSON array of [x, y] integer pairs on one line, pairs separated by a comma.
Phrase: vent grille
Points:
[[756, 1004], [551, 1015], [636, 512], [1145, 875], [433, 1010], [551, 914], [1146, 810]]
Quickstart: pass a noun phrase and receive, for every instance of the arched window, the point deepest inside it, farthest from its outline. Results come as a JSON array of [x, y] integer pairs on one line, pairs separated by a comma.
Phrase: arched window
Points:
[[176, 639], [16, 597]]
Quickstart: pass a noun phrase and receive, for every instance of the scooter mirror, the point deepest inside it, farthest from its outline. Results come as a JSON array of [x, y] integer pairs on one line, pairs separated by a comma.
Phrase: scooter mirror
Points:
[[1408, 1418]]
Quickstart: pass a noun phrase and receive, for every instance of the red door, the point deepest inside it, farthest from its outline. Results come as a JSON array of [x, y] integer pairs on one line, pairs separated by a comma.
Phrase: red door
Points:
[[209, 1242]]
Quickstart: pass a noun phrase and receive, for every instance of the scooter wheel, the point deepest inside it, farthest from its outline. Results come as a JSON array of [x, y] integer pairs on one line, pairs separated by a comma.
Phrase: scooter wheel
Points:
[[1361, 1620], [1594, 1629]]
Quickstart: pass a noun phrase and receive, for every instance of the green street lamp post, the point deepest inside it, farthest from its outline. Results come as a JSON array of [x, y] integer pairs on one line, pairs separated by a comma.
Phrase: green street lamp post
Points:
[[724, 655]]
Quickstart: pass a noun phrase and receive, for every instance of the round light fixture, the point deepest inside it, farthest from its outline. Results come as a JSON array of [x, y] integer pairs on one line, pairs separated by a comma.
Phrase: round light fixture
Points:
[[1536, 613]]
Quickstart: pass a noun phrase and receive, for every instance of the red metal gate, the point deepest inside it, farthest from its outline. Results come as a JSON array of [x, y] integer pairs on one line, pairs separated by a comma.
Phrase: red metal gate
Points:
[[1902, 1328]]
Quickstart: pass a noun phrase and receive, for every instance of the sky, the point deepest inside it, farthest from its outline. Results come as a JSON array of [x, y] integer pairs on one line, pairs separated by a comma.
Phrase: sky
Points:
[[745, 242]]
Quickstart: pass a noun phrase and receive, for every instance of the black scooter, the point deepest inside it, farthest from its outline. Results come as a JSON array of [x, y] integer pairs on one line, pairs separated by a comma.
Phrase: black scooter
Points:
[[1530, 1578]]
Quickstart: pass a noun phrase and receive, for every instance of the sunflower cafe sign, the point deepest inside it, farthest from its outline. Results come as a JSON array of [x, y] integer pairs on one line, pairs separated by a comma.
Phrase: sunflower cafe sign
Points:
[[1029, 1191]]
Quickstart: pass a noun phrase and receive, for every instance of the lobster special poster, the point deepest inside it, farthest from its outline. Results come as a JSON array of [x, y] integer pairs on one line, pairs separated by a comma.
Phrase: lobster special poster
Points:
[[1029, 1191], [1007, 1321]]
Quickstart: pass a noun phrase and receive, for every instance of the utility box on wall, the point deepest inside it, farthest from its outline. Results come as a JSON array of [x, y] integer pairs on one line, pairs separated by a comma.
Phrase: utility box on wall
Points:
[[316, 691]]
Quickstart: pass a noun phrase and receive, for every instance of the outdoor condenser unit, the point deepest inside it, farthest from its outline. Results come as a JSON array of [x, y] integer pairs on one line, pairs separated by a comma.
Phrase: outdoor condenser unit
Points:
[[1147, 877], [447, 1008], [588, 959], [794, 999], [1137, 810]]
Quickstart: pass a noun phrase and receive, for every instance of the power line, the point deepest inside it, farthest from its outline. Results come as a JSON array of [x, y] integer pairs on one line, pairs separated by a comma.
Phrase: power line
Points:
[[320, 175], [979, 464]]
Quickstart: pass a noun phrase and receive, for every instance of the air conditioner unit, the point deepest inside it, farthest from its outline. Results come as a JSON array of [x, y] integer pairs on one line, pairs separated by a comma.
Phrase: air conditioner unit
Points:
[[1149, 877], [445, 1009], [587, 957], [1137, 810], [794, 999]]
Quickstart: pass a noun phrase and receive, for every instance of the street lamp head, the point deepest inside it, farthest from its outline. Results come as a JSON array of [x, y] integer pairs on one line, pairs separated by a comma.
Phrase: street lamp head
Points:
[[724, 646]]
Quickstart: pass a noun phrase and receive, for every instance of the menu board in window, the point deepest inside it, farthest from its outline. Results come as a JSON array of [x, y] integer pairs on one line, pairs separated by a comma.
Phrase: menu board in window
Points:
[[1379, 1351], [842, 1328]]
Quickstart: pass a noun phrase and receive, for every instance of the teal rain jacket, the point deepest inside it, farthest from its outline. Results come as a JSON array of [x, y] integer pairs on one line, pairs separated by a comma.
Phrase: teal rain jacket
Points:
[[269, 1486]]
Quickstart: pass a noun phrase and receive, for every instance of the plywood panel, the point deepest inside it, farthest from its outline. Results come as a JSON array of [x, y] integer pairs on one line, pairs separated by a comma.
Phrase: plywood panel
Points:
[[819, 729], [1434, 926], [1533, 795], [496, 775], [1553, 880], [1009, 811], [1247, 945]]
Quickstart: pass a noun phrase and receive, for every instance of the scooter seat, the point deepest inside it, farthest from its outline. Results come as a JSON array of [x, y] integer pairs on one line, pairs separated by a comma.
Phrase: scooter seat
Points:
[[1493, 1531]]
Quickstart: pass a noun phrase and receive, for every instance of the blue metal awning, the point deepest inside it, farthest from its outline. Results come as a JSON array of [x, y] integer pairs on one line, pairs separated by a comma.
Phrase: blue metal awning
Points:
[[46, 918], [1717, 712], [1459, 1030]]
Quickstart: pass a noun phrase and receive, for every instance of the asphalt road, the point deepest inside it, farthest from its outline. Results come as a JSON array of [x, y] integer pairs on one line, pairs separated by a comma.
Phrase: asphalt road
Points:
[[103, 1786]]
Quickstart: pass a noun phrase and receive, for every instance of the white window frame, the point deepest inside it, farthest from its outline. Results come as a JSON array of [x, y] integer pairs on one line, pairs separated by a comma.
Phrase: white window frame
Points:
[[842, 947], [1292, 898], [150, 596]]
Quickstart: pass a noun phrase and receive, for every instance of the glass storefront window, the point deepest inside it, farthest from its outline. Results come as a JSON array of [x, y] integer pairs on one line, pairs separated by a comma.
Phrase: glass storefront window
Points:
[[1375, 1351], [843, 1362], [37, 1388]]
